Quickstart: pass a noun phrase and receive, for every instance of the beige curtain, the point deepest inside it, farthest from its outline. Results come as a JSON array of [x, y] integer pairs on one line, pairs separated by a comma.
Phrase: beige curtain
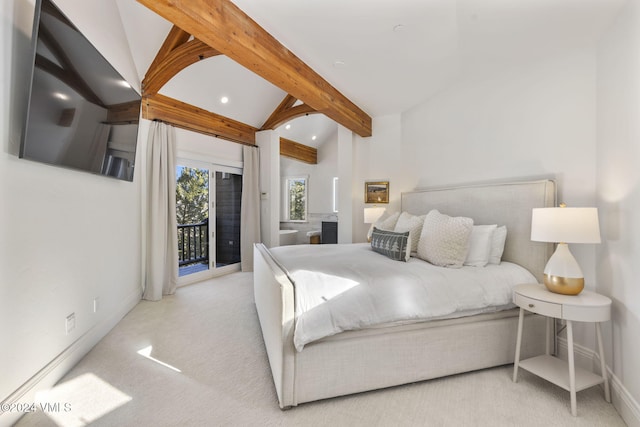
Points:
[[250, 208], [161, 243]]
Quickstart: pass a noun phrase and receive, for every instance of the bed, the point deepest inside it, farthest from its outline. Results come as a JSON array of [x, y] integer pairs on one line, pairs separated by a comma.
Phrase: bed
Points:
[[390, 354]]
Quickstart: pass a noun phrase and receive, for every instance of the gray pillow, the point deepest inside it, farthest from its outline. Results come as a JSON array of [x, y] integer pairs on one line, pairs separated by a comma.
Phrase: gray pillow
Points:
[[393, 245]]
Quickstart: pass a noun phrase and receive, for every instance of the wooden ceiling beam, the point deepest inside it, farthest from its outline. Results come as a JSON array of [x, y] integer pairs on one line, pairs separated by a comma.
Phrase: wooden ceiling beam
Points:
[[279, 117], [295, 150], [226, 28], [173, 62], [286, 103], [186, 116], [176, 37]]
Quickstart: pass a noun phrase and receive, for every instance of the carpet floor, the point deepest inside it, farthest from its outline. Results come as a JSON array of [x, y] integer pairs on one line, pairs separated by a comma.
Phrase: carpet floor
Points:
[[197, 359]]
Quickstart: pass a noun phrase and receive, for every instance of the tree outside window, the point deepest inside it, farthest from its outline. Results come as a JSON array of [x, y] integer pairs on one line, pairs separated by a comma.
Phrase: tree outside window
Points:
[[296, 190]]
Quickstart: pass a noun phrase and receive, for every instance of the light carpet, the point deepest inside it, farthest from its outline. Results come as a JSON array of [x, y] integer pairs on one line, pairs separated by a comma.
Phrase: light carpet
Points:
[[197, 359]]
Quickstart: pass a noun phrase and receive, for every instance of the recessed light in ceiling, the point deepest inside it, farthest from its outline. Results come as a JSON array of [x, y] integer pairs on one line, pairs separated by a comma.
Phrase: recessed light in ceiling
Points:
[[313, 138], [125, 83], [60, 95], [398, 28], [339, 64], [224, 99], [288, 126]]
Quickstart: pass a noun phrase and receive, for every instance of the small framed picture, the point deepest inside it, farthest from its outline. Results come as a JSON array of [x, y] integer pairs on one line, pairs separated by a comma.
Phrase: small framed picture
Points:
[[376, 192]]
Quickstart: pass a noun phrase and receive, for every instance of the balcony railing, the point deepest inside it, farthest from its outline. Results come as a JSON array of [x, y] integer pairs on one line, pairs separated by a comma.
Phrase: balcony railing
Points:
[[193, 243]]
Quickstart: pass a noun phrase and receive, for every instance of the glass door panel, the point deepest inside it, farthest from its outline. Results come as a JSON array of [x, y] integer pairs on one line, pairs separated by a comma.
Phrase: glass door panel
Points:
[[192, 215], [227, 214]]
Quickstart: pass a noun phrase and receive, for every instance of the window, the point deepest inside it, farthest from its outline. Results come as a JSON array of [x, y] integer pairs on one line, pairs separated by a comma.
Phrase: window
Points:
[[295, 196], [335, 194]]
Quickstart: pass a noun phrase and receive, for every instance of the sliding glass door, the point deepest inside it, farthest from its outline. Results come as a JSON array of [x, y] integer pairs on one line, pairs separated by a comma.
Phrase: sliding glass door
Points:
[[208, 199]]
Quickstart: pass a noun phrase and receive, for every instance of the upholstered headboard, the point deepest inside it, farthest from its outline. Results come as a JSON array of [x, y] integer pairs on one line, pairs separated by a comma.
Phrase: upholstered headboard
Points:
[[508, 203]]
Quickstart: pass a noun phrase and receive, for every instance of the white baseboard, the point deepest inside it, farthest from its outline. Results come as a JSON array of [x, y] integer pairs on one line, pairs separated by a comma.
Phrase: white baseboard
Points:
[[622, 400], [48, 376]]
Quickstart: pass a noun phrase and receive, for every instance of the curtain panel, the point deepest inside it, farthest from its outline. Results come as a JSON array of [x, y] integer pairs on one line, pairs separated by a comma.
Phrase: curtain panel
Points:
[[161, 242], [250, 207]]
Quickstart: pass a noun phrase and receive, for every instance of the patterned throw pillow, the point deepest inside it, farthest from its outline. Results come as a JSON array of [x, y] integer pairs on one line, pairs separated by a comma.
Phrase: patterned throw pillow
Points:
[[396, 246], [444, 240]]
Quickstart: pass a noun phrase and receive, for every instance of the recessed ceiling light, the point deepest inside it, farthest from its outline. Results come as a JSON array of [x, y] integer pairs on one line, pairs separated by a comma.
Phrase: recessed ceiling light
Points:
[[339, 64], [313, 138], [398, 28], [125, 83], [288, 126], [61, 96], [224, 99]]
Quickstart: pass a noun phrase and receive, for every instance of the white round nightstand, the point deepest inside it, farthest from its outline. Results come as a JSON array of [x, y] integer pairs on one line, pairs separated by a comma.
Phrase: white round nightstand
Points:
[[584, 307]]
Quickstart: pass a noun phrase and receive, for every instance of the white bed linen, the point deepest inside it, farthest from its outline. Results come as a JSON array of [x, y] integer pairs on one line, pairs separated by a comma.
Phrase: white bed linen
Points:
[[348, 287]]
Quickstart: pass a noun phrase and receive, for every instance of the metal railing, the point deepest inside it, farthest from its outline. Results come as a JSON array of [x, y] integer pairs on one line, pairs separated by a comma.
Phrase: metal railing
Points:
[[193, 243]]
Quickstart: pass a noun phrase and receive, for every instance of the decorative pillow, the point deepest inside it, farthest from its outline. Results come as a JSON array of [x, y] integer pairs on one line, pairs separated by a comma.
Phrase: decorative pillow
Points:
[[396, 246], [444, 240], [497, 245], [385, 222], [412, 224], [480, 242]]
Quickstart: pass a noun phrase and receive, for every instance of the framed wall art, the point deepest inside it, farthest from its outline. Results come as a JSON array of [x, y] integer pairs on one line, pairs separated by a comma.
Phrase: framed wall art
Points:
[[376, 192]]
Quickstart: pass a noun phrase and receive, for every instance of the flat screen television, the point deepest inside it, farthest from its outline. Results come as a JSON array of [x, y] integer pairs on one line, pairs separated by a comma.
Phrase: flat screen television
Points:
[[82, 114]]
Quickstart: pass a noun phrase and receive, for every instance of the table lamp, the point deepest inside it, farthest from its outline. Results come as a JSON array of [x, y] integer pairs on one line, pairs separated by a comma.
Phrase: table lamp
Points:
[[371, 215], [564, 225]]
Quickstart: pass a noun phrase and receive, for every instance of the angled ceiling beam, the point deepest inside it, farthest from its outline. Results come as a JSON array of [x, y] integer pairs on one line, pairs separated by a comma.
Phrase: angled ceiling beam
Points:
[[285, 112], [226, 28], [186, 116], [296, 151], [175, 61], [175, 38], [176, 53]]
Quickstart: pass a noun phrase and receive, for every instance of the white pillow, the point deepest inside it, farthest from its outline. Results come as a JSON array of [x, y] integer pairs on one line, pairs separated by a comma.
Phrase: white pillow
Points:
[[497, 245], [480, 245], [444, 240], [412, 224], [385, 222]]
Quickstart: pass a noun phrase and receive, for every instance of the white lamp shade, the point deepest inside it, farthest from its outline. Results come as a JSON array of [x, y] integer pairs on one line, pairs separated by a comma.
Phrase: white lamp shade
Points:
[[565, 225], [371, 215]]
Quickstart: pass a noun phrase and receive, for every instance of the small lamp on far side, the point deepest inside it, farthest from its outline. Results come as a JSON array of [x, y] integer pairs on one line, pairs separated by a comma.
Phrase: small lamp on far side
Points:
[[563, 225], [371, 215]]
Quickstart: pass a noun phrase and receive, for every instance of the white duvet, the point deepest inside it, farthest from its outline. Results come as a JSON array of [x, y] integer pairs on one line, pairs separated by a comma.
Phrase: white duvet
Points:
[[346, 287]]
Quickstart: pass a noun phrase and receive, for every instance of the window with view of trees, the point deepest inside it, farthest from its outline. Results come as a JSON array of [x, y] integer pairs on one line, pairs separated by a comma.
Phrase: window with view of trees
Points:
[[296, 198]]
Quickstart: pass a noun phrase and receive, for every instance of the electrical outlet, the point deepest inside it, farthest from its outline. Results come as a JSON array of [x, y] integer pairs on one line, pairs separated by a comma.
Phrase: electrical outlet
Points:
[[95, 304], [70, 323]]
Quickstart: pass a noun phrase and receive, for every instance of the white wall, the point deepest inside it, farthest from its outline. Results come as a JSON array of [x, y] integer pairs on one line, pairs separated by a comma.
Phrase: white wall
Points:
[[618, 171], [66, 237], [320, 191], [535, 120], [528, 121], [380, 157]]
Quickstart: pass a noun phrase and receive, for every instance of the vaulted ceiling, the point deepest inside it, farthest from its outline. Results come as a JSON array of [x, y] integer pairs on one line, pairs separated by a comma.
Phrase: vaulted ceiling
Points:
[[385, 56]]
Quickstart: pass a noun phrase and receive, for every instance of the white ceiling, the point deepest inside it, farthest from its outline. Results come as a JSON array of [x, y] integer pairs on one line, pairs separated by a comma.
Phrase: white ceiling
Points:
[[382, 70]]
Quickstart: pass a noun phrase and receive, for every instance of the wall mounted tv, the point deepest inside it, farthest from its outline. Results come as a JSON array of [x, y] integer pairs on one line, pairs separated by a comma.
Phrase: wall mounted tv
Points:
[[81, 113]]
